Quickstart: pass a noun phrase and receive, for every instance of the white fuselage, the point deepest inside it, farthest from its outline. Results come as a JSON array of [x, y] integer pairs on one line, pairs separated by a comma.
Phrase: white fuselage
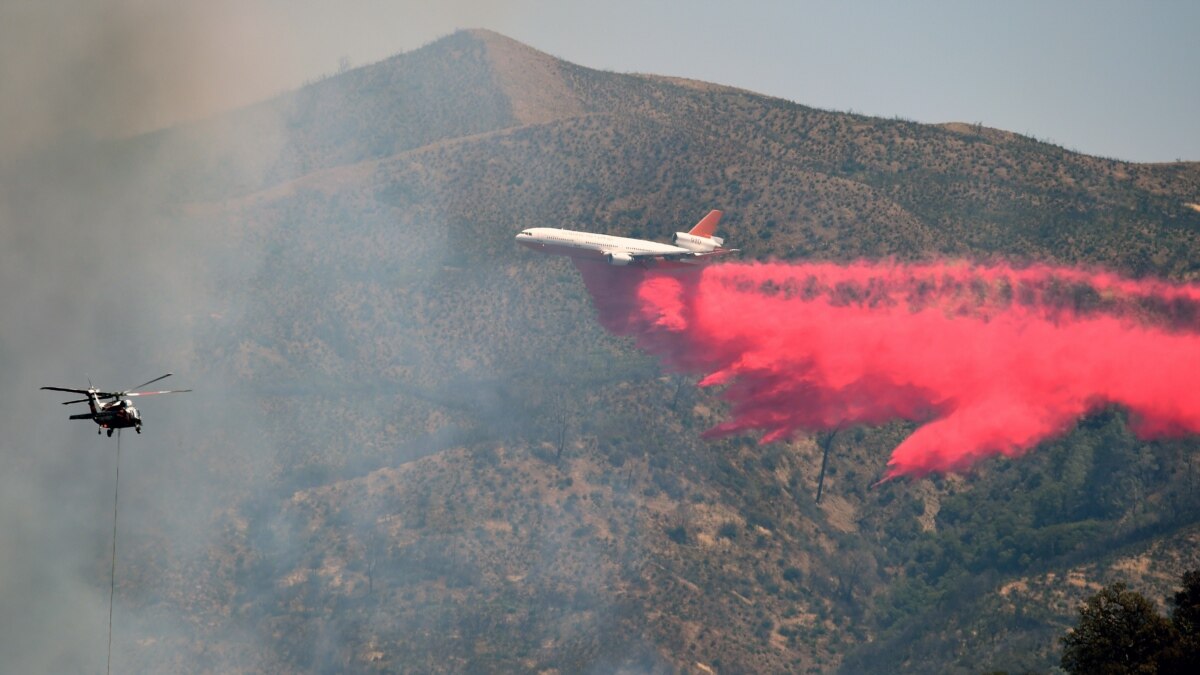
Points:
[[591, 245]]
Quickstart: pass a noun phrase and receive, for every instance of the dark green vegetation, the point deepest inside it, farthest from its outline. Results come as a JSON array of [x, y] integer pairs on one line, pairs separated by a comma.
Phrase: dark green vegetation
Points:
[[454, 468], [1120, 631]]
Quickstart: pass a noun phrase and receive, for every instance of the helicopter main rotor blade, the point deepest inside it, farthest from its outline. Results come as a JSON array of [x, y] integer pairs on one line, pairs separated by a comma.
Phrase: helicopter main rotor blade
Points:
[[73, 391], [152, 393], [154, 380], [82, 400]]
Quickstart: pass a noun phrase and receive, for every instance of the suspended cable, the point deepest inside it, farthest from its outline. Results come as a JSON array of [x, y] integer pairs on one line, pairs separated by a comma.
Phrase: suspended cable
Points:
[[112, 574]]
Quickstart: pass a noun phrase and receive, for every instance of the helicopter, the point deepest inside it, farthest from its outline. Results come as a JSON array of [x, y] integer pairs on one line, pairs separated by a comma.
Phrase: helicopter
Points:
[[118, 412]]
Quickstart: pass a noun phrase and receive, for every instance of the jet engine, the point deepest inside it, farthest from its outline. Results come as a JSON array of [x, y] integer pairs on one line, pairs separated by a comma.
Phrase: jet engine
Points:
[[619, 259], [698, 244]]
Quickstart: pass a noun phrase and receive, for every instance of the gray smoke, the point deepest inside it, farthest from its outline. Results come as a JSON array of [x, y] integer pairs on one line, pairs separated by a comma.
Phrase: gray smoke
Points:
[[113, 268], [103, 276]]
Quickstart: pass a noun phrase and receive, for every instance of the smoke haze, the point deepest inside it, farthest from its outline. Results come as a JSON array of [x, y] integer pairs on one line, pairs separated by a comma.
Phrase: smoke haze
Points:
[[987, 360], [104, 278], [116, 268]]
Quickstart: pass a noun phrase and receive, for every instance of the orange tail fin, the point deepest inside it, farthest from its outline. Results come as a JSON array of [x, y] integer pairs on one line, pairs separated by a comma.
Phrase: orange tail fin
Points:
[[707, 225]]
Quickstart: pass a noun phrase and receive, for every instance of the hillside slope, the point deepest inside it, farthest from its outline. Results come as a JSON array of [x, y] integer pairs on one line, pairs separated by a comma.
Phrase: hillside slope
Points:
[[456, 469]]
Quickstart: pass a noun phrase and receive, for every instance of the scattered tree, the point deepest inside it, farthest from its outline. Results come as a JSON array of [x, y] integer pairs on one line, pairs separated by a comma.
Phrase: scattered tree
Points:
[[1120, 631], [1186, 612]]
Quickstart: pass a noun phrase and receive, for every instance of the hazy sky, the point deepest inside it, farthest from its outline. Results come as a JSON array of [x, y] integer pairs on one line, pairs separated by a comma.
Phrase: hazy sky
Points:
[[1117, 79]]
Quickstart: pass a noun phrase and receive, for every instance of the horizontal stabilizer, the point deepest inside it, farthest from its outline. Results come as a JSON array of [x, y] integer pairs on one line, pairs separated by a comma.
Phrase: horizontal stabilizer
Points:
[[85, 416]]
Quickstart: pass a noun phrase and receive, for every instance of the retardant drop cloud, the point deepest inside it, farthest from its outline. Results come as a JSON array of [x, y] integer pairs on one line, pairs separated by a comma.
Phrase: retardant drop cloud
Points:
[[987, 360]]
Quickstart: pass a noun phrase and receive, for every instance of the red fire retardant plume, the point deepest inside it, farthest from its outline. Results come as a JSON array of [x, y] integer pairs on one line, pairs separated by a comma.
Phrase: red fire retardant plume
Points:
[[988, 360]]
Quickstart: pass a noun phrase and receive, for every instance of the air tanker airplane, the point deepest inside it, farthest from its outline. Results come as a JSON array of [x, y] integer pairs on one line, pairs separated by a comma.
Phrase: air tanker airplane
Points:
[[690, 247]]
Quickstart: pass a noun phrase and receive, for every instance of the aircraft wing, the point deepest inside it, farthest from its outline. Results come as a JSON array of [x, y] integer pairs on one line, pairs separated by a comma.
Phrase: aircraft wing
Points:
[[679, 257]]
